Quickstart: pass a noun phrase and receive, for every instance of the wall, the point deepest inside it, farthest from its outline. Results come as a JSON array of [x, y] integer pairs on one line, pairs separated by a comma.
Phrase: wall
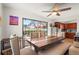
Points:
[[77, 21], [10, 29], [16, 29], [0, 26], [0, 21], [49, 29], [13, 29]]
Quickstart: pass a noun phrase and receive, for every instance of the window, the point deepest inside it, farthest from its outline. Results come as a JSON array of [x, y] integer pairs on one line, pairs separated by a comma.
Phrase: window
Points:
[[34, 28]]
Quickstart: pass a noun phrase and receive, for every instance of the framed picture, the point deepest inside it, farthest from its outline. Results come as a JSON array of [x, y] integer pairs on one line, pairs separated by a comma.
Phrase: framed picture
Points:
[[13, 20]]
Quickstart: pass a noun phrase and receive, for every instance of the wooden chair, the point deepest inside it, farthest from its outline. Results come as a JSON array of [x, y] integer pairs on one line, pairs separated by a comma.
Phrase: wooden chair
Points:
[[5, 47], [16, 49]]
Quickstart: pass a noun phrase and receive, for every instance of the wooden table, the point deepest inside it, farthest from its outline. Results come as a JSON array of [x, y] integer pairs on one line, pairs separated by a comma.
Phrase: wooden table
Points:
[[38, 45]]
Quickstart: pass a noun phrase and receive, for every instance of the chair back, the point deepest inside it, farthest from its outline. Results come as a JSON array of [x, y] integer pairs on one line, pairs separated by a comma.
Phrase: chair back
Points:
[[15, 45]]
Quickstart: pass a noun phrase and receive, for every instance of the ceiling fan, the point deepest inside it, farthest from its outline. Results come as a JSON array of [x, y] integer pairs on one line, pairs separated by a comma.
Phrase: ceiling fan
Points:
[[56, 9]]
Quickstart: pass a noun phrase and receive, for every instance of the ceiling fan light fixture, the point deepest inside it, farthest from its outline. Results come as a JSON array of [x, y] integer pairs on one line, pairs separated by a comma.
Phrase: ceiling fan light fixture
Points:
[[54, 13]]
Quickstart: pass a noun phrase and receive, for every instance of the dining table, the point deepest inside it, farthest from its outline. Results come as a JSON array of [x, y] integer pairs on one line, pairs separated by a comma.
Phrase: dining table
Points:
[[43, 42]]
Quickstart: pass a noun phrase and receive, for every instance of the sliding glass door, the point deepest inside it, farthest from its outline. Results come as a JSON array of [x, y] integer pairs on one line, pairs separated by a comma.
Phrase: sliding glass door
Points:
[[34, 29]]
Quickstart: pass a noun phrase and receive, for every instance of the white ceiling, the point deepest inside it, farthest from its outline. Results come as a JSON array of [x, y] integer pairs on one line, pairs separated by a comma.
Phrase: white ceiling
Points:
[[37, 9]]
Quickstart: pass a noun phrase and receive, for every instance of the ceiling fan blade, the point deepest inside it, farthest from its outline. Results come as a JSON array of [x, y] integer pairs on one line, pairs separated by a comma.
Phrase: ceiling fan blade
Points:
[[65, 9], [49, 14], [47, 11]]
